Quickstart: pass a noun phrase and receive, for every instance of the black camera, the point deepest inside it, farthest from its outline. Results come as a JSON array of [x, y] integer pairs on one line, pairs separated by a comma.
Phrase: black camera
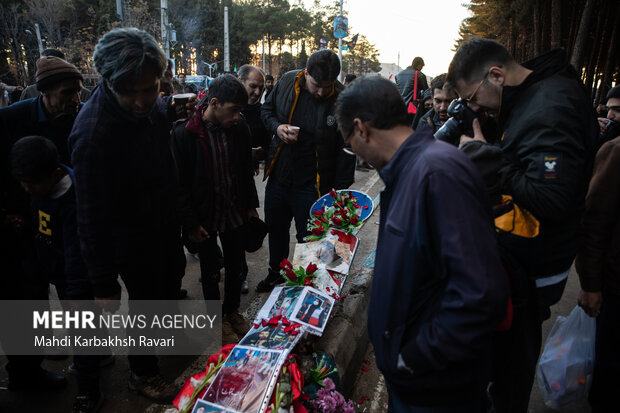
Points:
[[460, 123]]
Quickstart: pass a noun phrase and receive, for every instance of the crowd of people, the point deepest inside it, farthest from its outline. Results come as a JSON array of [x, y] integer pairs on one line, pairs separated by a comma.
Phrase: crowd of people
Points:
[[118, 181]]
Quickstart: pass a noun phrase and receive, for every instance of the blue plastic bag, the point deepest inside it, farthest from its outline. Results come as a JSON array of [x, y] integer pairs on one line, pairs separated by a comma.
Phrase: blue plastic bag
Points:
[[566, 364]]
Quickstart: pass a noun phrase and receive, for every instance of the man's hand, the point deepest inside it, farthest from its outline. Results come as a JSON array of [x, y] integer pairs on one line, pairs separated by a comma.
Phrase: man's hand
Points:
[[590, 302], [478, 136], [252, 213], [14, 222], [602, 124], [190, 106], [287, 135], [198, 235], [110, 304]]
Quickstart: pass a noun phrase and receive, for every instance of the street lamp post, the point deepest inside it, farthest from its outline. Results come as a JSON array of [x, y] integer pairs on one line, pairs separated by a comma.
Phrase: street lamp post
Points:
[[211, 65]]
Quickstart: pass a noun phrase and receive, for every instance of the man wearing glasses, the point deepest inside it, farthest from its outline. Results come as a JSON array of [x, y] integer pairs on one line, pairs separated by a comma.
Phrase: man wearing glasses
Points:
[[547, 132]]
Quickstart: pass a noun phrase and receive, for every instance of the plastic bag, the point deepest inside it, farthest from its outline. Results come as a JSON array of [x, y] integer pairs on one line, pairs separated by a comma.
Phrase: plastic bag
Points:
[[566, 364]]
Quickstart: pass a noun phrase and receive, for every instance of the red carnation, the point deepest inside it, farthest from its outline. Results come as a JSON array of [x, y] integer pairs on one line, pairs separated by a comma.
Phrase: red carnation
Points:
[[354, 220], [317, 213], [336, 221], [333, 194]]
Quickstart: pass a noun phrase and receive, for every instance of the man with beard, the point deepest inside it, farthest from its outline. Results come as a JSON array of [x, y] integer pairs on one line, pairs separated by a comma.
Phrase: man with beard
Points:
[[441, 98], [305, 159], [253, 80], [544, 162], [269, 83], [51, 114]]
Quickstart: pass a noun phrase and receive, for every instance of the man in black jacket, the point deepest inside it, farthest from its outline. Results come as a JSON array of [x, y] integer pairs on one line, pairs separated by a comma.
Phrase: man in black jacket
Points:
[[50, 114], [126, 186], [213, 154], [547, 127], [253, 80], [305, 159]]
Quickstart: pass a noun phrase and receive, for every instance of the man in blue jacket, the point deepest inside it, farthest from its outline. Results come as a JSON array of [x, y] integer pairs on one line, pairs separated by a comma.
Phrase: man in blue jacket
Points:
[[439, 288]]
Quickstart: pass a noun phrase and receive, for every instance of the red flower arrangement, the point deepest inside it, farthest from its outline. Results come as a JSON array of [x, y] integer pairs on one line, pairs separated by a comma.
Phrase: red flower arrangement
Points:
[[300, 276], [341, 214]]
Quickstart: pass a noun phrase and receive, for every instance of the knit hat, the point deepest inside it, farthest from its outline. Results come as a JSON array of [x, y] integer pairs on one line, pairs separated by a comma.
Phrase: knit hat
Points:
[[52, 69]]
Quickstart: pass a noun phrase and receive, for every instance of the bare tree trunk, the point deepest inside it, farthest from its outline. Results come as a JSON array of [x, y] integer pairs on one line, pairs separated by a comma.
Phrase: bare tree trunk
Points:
[[612, 60], [582, 36], [537, 24], [556, 23]]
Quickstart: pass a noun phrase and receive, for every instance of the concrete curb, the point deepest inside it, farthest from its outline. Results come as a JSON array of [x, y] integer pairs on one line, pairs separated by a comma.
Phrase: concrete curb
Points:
[[345, 338]]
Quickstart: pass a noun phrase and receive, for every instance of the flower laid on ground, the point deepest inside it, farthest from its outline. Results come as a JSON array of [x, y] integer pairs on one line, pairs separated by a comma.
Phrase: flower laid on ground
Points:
[[320, 373], [328, 400], [341, 214], [196, 385], [289, 389], [300, 276]]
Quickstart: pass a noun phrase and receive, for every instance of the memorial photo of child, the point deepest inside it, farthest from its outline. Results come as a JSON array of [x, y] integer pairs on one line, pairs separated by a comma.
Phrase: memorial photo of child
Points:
[[314, 309]]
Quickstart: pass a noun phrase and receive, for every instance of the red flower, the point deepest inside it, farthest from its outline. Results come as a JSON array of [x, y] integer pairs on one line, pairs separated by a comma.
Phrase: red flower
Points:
[[308, 281], [294, 332], [311, 268], [264, 322], [333, 194], [285, 264], [288, 329], [318, 231], [285, 321], [367, 362], [326, 288], [364, 368], [291, 275], [354, 220], [363, 399], [273, 321], [256, 325], [336, 221], [318, 212]]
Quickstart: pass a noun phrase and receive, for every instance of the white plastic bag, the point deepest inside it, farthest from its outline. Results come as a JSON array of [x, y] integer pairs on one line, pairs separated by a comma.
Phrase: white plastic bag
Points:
[[566, 364]]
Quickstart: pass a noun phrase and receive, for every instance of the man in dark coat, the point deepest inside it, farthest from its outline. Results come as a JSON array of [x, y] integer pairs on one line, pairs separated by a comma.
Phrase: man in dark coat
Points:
[[439, 288], [305, 159], [217, 194], [51, 114], [548, 128], [126, 187]]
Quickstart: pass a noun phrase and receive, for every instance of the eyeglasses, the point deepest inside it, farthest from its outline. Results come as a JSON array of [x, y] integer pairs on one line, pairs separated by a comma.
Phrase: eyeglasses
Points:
[[473, 95], [347, 144]]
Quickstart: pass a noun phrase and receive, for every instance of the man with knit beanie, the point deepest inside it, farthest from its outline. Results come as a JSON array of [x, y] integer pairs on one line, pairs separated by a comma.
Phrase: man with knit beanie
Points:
[[51, 115], [32, 91]]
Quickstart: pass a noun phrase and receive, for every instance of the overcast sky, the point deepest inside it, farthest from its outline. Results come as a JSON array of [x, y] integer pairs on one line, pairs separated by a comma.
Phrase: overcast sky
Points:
[[411, 27]]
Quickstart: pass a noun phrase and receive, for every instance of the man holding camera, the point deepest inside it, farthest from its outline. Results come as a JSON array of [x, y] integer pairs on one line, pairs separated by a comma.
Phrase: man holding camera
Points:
[[547, 130]]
